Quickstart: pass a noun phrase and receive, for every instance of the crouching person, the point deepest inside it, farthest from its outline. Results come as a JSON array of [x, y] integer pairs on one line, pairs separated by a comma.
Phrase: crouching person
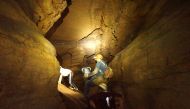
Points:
[[67, 73]]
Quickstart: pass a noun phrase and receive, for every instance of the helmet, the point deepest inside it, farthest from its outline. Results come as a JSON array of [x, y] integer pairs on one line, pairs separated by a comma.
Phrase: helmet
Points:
[[98, 56], [103, 86]]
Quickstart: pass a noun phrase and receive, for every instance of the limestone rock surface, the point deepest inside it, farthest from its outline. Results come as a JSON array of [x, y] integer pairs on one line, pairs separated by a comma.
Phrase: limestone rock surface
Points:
[[148, 41], [28, 66], [44, 13], [152, 72]]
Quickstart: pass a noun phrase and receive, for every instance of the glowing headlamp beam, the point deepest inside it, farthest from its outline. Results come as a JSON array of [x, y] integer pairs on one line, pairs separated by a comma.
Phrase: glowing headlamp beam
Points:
[[91, 44]]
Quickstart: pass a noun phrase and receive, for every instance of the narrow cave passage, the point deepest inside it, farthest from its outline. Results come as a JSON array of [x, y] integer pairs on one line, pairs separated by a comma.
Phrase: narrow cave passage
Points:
[[145, 42]]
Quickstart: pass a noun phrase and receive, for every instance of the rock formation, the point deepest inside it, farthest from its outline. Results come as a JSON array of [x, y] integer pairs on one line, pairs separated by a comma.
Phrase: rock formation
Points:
[[28, 66], [149, 40], [146, 42], [152, 72]]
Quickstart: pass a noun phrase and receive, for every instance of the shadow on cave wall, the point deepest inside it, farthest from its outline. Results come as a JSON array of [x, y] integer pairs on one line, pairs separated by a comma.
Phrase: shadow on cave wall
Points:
[[59, 21]]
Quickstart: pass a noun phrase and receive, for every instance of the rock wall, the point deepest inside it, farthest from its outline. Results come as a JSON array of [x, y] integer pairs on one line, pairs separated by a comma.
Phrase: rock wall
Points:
[[120, 21], [152, 69], [152, 72], [114, 23], [44, 13], [28, 66]]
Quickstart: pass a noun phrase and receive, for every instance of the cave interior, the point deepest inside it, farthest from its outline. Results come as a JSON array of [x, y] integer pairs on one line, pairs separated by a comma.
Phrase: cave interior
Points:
[[145, 42]]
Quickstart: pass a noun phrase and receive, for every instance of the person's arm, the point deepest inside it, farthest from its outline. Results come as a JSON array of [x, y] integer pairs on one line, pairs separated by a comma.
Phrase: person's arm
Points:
[[94, 72], [70, 77], [96, 69], [60, 79]]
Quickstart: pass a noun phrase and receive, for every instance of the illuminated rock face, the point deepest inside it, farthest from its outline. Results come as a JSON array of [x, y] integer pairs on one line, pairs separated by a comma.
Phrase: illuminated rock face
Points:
[[28, 66], [115, 23], [152, 69], [152, 72], [44, 13], [152, 38]]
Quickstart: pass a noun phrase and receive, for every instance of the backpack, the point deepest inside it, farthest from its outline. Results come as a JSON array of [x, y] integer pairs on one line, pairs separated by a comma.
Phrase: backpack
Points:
[[108, 73], [104, 79]]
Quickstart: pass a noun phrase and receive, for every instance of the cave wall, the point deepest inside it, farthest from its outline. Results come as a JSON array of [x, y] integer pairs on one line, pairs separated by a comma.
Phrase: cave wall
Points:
[[152, 72], [151, 68], [44, 13], [115, 23], [28, 66]]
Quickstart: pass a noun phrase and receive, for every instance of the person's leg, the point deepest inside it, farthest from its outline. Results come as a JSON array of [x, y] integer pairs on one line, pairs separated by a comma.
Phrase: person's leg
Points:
[[88, 84]]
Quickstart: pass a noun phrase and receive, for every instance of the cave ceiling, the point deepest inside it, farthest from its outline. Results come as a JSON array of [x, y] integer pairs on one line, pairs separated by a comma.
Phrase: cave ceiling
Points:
[[100, 26], [77, 32]]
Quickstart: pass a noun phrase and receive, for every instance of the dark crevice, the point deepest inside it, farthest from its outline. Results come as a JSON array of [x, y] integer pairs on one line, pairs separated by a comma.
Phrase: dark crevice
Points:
[[92, 32], [49, 34], [52, 30]]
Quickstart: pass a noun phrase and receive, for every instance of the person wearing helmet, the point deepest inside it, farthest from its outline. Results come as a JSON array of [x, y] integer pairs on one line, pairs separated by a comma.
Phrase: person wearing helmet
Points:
[[96, 75]]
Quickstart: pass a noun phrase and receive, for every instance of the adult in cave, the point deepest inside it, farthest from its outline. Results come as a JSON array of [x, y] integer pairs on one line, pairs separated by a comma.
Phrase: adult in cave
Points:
[[97, 76], [67, 73]]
